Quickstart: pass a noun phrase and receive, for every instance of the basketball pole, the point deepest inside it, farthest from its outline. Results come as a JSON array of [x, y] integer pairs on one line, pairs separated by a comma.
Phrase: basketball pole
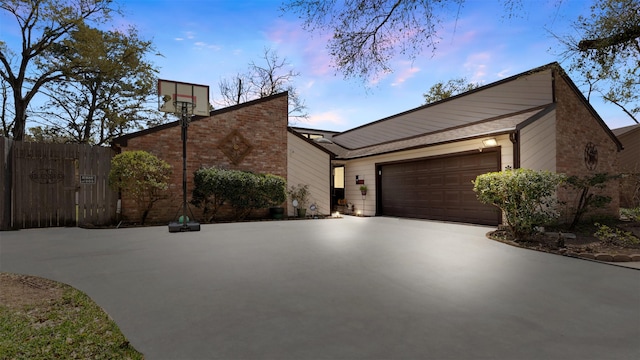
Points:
[[184, 225], [179, 98], [185, 125]]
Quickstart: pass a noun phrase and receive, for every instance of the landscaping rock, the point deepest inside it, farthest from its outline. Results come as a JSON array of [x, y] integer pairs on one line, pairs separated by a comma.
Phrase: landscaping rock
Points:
[[621, 258], [604, 257], [635, 257], [587, 256]]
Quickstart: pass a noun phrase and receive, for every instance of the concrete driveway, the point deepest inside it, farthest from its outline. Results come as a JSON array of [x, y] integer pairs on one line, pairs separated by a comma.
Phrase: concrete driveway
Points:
[[353, 288]]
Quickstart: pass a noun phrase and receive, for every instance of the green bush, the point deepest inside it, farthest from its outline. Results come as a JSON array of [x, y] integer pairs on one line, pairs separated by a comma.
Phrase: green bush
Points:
[[242, 190], [525, 197], [630, 214], [615, 237], [586, 199], [208, 191], [141, 176]]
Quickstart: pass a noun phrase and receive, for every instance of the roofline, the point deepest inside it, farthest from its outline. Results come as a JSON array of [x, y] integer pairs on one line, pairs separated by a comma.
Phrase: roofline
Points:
[[542, 108], [549, 108], [122, 140], [312, 129], [451, 98], [295, 133], [630, 130], [422, 146]]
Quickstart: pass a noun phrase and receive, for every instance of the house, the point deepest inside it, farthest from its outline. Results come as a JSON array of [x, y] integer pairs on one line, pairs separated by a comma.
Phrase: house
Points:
[[420, 163], [416, 164], [252, 136], [629, 162]]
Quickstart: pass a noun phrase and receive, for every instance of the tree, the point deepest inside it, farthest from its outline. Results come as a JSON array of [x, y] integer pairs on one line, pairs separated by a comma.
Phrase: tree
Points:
[[367, 34], [526, 197], [43, 24], [104, 85], [441, 91], [271, 77], [5, 114], [141, 176], [607, 53], [586, 199]]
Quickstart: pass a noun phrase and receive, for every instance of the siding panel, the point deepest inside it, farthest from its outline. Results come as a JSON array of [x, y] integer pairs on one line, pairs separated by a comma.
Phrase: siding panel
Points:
[[538, 144], [311, 166], [517, 95]]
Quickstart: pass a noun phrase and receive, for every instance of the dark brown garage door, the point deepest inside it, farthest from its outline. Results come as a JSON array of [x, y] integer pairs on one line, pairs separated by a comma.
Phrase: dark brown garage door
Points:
[[438, 188]]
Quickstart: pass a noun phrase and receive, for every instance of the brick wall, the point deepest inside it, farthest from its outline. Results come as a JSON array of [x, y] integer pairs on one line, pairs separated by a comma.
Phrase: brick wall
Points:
[[576, 126], [250, 137]]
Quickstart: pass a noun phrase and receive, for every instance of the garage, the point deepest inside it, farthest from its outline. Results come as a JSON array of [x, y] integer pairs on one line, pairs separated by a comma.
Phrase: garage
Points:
[[438, 188]]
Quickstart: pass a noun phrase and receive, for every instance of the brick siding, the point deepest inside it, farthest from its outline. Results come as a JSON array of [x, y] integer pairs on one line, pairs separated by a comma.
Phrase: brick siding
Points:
[[575, 127], [260, 125]]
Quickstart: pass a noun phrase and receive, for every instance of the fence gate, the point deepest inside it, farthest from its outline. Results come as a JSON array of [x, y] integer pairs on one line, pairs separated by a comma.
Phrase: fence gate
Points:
[[60, 185]]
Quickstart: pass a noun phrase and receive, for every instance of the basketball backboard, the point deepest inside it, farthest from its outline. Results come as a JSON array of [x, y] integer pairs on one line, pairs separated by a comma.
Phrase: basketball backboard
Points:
[[173, 94]]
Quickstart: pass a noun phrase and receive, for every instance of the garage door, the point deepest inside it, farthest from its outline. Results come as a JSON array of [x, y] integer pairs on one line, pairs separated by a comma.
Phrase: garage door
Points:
[[438, 188]]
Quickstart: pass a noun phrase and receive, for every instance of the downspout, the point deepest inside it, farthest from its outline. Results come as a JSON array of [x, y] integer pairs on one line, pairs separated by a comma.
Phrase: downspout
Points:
[[515, 140]]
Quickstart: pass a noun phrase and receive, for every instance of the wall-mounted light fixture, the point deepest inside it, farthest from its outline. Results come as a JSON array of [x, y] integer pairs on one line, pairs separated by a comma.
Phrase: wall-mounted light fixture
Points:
[[489, 142]]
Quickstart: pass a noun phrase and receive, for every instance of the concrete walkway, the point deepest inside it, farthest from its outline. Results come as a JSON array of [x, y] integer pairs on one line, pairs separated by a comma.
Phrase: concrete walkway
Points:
[[352, 288]]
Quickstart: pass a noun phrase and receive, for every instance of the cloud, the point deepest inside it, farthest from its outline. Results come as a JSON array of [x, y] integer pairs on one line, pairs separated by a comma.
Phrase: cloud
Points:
[[325, 119], [504, 73], [204, 45], [408, 72], [476, 65], [291, 38]]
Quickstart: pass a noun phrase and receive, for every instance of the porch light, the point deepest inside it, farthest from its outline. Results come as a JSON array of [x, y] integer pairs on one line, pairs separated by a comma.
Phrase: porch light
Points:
[[489, 142]]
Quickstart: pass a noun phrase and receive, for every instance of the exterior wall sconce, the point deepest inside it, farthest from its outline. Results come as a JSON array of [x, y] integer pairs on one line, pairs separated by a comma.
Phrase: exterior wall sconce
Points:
[[489, 142]]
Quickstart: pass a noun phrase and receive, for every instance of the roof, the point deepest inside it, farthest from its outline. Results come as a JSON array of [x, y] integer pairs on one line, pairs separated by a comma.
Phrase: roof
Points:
[[626, 130], [491, 127], [497, 108], [517, 93], [122, 140]]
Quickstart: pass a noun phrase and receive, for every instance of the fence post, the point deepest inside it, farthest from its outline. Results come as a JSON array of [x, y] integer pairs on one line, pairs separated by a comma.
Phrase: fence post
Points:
[[6, 175]]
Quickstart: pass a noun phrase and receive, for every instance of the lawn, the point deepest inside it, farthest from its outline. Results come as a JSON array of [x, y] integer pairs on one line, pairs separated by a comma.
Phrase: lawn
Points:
[[43, 319]]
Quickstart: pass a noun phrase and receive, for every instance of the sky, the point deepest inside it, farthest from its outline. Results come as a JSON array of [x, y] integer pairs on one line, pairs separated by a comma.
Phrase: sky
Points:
[[204, 41]]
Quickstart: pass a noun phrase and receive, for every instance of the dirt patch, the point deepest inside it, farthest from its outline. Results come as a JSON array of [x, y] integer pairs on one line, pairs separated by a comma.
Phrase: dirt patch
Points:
[[18, 291]]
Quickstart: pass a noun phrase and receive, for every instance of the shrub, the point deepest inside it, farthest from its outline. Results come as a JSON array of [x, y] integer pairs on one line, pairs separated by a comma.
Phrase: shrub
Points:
[[586, 199], [525, 197], [242, 190], [630, 189], [616, 237], [301, 194], [630, 214], [141, 176], [208, 191]]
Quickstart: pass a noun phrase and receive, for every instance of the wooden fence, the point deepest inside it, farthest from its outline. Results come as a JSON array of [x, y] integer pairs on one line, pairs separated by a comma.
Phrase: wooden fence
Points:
[[47, 185]]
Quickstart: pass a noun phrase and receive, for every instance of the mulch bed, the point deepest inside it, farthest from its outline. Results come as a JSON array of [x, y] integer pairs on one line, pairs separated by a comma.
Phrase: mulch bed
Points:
[[583, 244]]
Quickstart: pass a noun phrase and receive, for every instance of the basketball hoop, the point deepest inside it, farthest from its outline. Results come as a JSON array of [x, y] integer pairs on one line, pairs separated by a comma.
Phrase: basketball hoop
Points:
[[174, 97], [186, 100]]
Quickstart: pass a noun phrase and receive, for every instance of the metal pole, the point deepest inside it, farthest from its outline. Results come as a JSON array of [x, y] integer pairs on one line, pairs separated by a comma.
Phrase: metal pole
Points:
[[185, 124]]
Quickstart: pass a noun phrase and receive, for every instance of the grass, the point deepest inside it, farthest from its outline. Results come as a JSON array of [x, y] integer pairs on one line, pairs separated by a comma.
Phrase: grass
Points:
[[70, 326]]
